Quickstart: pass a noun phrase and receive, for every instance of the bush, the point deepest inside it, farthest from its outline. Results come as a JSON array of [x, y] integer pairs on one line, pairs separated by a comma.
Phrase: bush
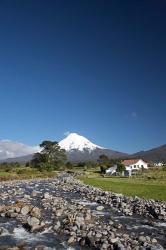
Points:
[[103, 169], [120, 167], [69, 165], [164, 168], [20, 171]]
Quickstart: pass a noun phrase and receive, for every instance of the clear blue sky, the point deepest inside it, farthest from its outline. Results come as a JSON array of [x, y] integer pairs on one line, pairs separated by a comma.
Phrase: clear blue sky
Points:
[[97, 68]]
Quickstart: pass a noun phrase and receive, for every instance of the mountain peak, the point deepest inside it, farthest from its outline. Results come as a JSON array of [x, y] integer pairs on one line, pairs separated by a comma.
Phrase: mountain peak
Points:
[[75, 141], [73, 135]]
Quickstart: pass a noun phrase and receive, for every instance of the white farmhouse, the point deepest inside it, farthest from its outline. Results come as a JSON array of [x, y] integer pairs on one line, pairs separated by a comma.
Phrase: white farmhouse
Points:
[[135, 164], [111, 170]]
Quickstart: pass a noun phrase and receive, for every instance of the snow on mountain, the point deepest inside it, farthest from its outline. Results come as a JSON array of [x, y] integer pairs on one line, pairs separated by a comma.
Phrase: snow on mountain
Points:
[[77, 142], [79, 148], [11, 149]]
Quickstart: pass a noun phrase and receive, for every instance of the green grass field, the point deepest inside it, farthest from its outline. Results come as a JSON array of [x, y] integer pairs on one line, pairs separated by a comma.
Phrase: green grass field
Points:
[[143, 187]]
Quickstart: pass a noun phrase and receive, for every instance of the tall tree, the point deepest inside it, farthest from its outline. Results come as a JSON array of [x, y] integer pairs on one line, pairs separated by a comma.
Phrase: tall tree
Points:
[[50, 157], [103, 159], [120, 167]]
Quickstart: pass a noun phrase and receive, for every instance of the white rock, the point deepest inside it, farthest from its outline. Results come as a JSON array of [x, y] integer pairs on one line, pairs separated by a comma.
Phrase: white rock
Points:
[[99, 208]]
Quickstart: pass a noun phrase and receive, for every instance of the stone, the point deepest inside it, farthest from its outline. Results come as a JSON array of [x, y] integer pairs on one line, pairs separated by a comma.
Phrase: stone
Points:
[[88, 217], [2, 209], [13, 215], [111, 222], [37, 228], [79, 219], [47, 196], [104, 246], [114, 240], [35, 212], [148, 238], [26, 196], [42, 247], [99, 208], [126, 236], [3, 231], [34, 193], [71, 240], [13, 248], [57, 225], [59, 212], [17, 209], [33, 221], [82, 242], [142, 239], [119, 246], [25, 210], [154, 241], [104, 232], [98, 235], [156, 247], [4, 247]]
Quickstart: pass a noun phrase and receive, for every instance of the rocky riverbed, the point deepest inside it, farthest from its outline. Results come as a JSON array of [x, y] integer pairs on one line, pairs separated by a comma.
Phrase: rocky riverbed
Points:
[[64, 213]]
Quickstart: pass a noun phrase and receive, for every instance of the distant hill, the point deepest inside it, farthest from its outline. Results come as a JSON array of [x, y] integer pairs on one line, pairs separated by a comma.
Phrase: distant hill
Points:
[[21, 159], [156, 154]]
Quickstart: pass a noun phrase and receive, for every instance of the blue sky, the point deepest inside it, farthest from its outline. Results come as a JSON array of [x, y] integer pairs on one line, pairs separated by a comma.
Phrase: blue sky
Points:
[[97, 68]]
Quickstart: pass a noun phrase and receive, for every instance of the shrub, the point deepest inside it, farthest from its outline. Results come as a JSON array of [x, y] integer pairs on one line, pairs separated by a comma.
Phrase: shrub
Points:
[[103, 169]]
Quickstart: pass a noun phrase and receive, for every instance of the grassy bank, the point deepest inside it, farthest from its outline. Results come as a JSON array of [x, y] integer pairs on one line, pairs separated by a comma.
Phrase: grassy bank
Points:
[[145, 186], [24, 173]]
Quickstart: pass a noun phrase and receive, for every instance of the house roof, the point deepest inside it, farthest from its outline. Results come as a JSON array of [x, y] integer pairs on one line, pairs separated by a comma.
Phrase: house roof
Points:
[[130, 162]]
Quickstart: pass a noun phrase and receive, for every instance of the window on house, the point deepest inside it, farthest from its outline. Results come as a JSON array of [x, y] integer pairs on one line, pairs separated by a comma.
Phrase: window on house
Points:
[[134, 166]]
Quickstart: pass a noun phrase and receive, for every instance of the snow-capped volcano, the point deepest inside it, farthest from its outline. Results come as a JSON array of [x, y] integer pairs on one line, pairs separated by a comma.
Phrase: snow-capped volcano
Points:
[[77, 142], [79, 148]]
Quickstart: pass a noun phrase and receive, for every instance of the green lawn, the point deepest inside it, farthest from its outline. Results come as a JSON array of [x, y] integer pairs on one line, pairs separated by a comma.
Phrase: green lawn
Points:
[[129, 186]]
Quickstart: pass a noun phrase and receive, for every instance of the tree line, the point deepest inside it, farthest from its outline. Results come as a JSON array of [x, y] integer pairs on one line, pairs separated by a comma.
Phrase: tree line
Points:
[[52, 157]]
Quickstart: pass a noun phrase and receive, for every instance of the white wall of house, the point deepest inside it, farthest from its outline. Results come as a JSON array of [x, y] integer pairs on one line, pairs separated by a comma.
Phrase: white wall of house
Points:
[[138, 165], [111, 170]]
